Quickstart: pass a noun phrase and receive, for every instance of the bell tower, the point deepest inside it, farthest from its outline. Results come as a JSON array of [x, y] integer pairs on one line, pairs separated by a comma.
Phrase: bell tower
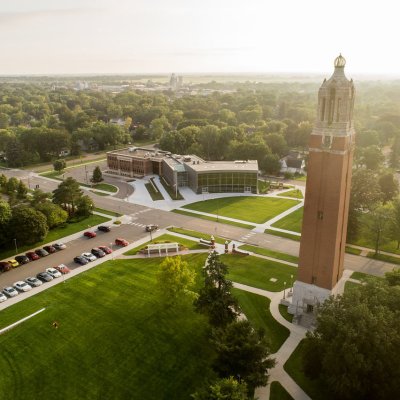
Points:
[[326, 204]]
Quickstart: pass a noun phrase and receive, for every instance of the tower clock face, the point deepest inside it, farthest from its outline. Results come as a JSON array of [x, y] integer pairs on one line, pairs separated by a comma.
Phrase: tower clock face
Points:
[[327, 141]]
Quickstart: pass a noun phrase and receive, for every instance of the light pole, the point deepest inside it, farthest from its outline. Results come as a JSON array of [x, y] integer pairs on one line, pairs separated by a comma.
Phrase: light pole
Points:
[[284, 290], [151, 235], [16, 248], [291, 284]]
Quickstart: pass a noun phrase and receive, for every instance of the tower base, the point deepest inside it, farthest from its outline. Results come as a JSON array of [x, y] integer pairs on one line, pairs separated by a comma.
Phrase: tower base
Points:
[[306, 297]]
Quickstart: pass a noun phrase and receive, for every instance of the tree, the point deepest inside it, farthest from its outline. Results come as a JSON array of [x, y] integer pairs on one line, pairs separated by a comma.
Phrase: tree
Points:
[[393, 277], [38, 197], [22, 190], [271, 164], [67, 195], [276, 143], [5, 216], [223, 389], [84, 206], [215, 299], [354, 348], [12, 185], [372, 157], [3, 183], [27, 225], [242, 351], [394, 224], [175, 279], [389, 186], [97, 176], [54, 214], [59, 165]]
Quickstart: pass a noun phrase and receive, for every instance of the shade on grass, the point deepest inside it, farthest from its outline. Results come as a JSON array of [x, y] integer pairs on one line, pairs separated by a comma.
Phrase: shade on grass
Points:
[[256, 309], [291, 222], [284, 312], [270, 253], [115, 340], [278, 392], [252, 209], [57, 233], [256, 272]]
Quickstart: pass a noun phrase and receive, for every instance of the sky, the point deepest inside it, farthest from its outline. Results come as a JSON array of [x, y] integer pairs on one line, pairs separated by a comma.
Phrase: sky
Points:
[[197, 36]]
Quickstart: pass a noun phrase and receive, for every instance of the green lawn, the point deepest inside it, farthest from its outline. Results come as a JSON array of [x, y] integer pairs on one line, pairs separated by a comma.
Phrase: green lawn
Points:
[[295, 193], [270, 253], [256, 272], [256, 309], [52, 174], [252, 209], [350, 285], [111, 213], [284, 312], [361, 276], [315, 388], [291, 222], [214, 219], [173, 193], [384, 257], [352, 250], [155, 195], [263, 187], [99, 193], [57, 234], [190, 244], [283, 234], [106, 186], [197, 234], [116, 339], [278, 392]]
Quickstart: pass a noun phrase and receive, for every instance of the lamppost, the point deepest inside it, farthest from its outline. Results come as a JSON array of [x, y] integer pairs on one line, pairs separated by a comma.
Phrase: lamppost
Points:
[[86, 175], [16, 248], [151, 235], [284, 290], [291, 284]]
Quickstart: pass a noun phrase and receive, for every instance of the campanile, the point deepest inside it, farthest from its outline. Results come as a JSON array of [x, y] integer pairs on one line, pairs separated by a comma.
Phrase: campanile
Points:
[[326, 204]]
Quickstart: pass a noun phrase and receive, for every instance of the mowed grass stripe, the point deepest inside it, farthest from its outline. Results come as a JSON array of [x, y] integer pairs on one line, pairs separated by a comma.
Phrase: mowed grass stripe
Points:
[[115, 340], [253, 209], [291, 222]]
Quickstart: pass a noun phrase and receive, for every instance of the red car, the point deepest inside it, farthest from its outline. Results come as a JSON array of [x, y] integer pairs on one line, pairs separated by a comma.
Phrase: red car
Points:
[[32, 256], [90, 234], [63, 269], [106, 249], [5, 266], [121, 242]]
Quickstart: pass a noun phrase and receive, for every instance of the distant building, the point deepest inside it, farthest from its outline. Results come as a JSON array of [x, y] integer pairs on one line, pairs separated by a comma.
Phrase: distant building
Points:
[[176, 82], [293, 163], [192, 171]]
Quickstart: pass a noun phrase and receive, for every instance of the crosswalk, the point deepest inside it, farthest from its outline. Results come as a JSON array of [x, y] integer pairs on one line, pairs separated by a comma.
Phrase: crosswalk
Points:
[[247, 236], [136, 224]]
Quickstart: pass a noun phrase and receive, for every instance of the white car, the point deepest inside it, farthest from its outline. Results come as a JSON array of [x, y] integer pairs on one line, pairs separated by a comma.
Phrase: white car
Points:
[[10, 291], [89, 256], [59, 246], [34, 282], [53, 272], [22, 286], [2, 297]]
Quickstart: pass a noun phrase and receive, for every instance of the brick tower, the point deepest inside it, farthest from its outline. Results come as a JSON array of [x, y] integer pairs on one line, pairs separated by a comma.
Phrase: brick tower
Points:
[[326, 204]]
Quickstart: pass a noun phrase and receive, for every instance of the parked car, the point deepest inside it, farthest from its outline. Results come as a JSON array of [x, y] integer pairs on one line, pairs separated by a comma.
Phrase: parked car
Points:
[[98, 252], [49, 249], [80, 260], [34, 282], [2, 297], [121, 242], [63, 269], [41, 252], [106, 249], [22, 259], [14, 263], [32, 255], [90, 234], [44, 277], [22, 286], [53, 272], [10, 291], [5, 266], [151, 227], [89, 256], [59, 246], [104, 228]]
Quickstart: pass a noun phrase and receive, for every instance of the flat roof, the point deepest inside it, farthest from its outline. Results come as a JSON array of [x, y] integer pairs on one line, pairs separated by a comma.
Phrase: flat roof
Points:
[[215, 166], [139, 152]]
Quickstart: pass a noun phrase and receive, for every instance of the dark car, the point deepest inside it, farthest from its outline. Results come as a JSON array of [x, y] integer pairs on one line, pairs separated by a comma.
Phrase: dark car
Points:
[[151, 227], [44, 277], [106, 249], [90, 234], [41, 252], [32, 255], [104, 228], [49, 249], [5, 266], [81, 260], [98, 252], [22, 259]]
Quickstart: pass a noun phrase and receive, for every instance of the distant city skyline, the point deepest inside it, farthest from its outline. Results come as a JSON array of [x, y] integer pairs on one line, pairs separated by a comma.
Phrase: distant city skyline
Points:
[[187, 36]]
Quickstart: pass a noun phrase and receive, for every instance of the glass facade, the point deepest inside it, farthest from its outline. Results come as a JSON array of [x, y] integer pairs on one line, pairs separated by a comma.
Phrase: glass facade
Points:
[[230, 182]]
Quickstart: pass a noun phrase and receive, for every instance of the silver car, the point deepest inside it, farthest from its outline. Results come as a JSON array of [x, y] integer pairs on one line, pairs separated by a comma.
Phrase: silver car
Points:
[[22, 286], [10, 291], [2, 297], [34, 282]]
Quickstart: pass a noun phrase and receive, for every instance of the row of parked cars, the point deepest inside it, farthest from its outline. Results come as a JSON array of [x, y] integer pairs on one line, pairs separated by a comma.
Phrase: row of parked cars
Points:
[[31, 256], [29, 283]]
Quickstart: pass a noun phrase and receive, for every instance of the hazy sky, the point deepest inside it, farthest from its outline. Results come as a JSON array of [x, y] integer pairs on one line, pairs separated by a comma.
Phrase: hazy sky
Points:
[[149, 36]]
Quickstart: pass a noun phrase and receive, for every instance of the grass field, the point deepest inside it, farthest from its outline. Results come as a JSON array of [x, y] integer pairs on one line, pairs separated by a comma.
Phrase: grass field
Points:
[[196, 234], [173, 193], [284, 312], [384, 257], [111, 213], [256, 272], [214, 219], [283, 234], [106, 187], [256, 309], [270, 253], [154, 194], [278, 392], [56, 234], [295, 193], [291, 222], [251, 209], [116, 339]]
